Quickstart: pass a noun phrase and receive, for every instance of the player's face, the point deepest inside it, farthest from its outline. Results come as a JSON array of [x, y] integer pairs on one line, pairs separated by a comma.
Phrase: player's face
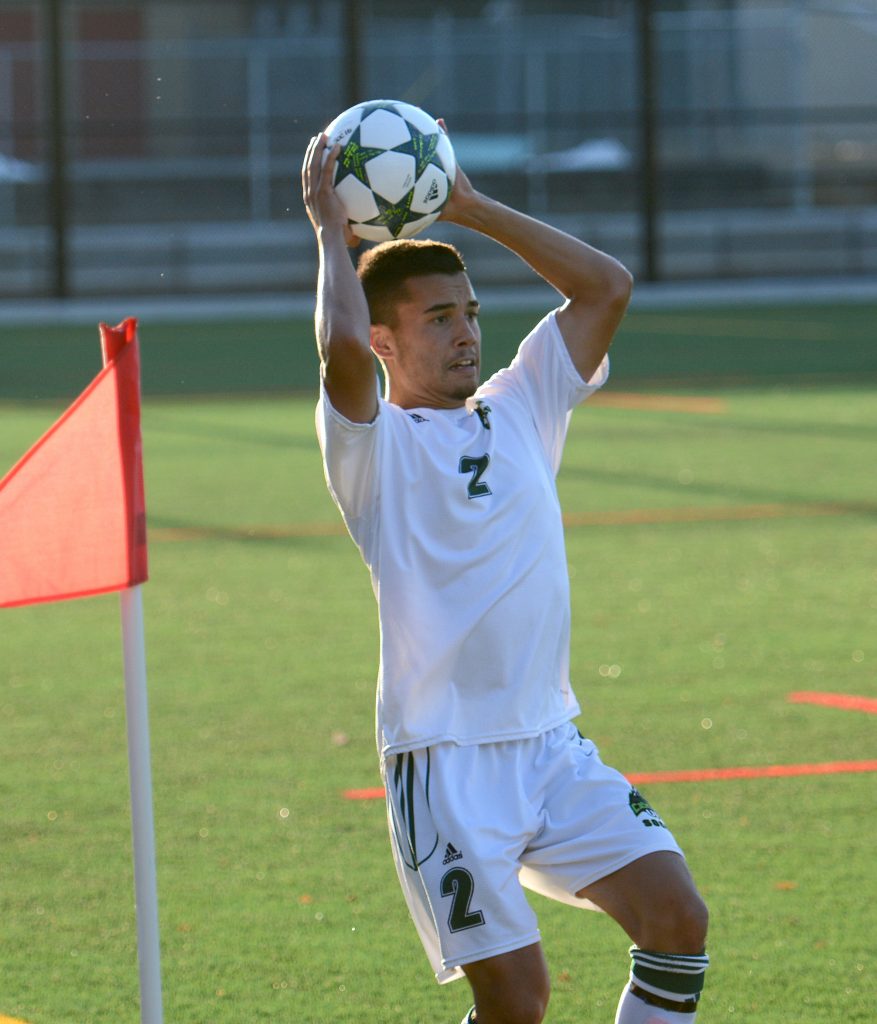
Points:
[[433, 352]]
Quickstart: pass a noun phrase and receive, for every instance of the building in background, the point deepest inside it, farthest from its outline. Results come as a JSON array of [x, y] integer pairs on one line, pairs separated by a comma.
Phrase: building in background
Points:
[[184, 125]]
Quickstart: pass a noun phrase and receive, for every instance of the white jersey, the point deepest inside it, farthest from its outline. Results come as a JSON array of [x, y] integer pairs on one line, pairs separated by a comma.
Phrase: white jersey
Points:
[[456, 515]]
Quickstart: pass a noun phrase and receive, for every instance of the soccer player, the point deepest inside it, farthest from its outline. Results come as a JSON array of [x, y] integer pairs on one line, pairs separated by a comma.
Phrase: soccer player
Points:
[[447, 487]]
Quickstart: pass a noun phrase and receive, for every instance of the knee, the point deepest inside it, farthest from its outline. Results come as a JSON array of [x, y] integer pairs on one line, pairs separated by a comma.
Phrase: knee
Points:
[[520, 1007], [512, 988], [697, 919], [522, 1002], [532, 1009], [684, 927]]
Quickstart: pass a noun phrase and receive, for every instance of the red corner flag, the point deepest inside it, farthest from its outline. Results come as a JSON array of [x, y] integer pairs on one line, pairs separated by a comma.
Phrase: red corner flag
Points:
[[72, 510]]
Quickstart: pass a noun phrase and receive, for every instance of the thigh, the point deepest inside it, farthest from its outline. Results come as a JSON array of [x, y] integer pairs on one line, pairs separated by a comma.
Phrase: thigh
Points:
[[656, 902], [595, 823], [456, 831]]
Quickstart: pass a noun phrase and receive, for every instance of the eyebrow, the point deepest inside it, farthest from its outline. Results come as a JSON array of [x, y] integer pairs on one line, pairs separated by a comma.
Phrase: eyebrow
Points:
[[441, 306]]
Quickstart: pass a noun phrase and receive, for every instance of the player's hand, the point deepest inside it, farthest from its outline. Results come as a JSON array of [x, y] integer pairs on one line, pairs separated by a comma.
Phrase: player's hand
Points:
[[323, 206], [463, 196]]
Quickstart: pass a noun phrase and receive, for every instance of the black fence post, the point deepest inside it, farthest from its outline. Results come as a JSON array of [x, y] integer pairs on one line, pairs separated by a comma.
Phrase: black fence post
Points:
[[354, 76], [354, 71], [648, 141], [57, 122]]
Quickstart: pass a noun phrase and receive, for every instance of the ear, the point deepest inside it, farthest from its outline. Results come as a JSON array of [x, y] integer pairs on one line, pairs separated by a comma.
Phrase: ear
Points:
[[382, 341]]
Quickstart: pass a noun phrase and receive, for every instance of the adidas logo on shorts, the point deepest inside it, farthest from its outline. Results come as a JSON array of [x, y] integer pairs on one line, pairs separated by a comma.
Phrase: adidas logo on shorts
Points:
[[452, 854]]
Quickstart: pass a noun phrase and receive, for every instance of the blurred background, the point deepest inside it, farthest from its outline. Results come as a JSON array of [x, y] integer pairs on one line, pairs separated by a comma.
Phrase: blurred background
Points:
[[154, 147]]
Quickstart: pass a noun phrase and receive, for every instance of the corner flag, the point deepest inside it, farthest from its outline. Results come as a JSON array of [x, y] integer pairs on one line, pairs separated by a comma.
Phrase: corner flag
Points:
[[73, 524], [72, 510]]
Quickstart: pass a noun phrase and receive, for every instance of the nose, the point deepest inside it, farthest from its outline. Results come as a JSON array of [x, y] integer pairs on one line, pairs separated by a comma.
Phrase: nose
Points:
[[468, 332]]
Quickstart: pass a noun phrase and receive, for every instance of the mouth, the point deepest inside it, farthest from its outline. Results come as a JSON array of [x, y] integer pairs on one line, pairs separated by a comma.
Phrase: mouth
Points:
[[469, 363]]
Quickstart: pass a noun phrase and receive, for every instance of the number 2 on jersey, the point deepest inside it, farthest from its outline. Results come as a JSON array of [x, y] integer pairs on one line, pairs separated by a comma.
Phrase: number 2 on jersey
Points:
[[476, 466], [459, 884]]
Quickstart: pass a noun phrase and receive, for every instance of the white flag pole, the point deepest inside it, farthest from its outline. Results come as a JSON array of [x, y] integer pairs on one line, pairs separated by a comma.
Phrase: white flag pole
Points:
[[142, 823]]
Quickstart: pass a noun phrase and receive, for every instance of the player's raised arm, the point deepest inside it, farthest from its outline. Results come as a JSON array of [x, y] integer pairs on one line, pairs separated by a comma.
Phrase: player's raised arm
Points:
[[342, 318], [596, 286]]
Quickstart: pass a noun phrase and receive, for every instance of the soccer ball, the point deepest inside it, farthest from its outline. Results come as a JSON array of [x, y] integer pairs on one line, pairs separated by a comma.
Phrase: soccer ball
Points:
[[395, 170]]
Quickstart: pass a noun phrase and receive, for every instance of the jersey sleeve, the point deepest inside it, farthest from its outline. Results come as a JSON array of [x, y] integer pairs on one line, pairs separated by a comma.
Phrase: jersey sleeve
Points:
[[544, 377], [350, 457]]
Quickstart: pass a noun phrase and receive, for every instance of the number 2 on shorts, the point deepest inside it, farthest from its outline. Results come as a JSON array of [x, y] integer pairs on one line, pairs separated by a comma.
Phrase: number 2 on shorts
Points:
[[459, 885]]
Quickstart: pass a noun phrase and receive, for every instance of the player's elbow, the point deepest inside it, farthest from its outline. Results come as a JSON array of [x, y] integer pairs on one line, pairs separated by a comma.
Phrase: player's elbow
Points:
[[619, 288], [607, 293]]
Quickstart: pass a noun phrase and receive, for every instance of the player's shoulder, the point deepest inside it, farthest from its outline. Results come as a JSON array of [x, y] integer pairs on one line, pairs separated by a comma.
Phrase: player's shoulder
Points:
[[409, 429], [403, 422]]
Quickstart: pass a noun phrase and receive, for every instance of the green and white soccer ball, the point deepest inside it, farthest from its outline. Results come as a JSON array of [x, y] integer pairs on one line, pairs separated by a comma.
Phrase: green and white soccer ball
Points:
[[395, 170]]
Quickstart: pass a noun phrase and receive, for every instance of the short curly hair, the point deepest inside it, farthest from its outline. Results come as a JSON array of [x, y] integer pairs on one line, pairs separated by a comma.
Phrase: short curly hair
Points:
[[384, 269]]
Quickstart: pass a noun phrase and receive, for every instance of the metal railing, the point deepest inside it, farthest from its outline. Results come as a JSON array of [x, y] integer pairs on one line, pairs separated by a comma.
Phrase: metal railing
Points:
[[200, 139]]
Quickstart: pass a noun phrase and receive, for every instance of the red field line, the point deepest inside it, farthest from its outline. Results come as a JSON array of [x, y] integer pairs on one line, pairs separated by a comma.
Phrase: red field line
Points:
[[621, 517], [371, 793], [835, 700], [718, 513], [769, 771]]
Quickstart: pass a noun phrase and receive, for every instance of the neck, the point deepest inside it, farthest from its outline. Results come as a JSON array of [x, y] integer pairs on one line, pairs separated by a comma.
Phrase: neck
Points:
[[412, 400]]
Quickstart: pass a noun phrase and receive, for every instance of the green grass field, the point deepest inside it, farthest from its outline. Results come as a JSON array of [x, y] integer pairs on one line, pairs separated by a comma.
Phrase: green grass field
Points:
[[721, 537]]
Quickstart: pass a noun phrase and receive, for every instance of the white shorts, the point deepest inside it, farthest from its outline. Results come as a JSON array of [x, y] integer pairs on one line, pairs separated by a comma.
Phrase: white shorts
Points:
[[471, 825]]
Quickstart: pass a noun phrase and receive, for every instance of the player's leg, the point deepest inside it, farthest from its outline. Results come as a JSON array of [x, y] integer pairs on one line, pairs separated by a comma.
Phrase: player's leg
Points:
[[511, 988], [608, 848], [455, 824], [655, 901]]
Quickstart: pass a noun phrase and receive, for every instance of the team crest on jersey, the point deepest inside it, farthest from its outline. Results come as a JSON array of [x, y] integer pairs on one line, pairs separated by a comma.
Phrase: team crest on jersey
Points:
[[480, 408], [642, 808]]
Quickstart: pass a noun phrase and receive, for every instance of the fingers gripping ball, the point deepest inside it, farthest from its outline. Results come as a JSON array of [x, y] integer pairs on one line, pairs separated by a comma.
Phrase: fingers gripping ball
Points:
[[395, 170]]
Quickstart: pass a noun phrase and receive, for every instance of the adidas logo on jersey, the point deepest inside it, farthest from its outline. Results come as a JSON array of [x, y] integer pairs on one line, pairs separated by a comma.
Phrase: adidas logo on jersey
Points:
[[452, 854]]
